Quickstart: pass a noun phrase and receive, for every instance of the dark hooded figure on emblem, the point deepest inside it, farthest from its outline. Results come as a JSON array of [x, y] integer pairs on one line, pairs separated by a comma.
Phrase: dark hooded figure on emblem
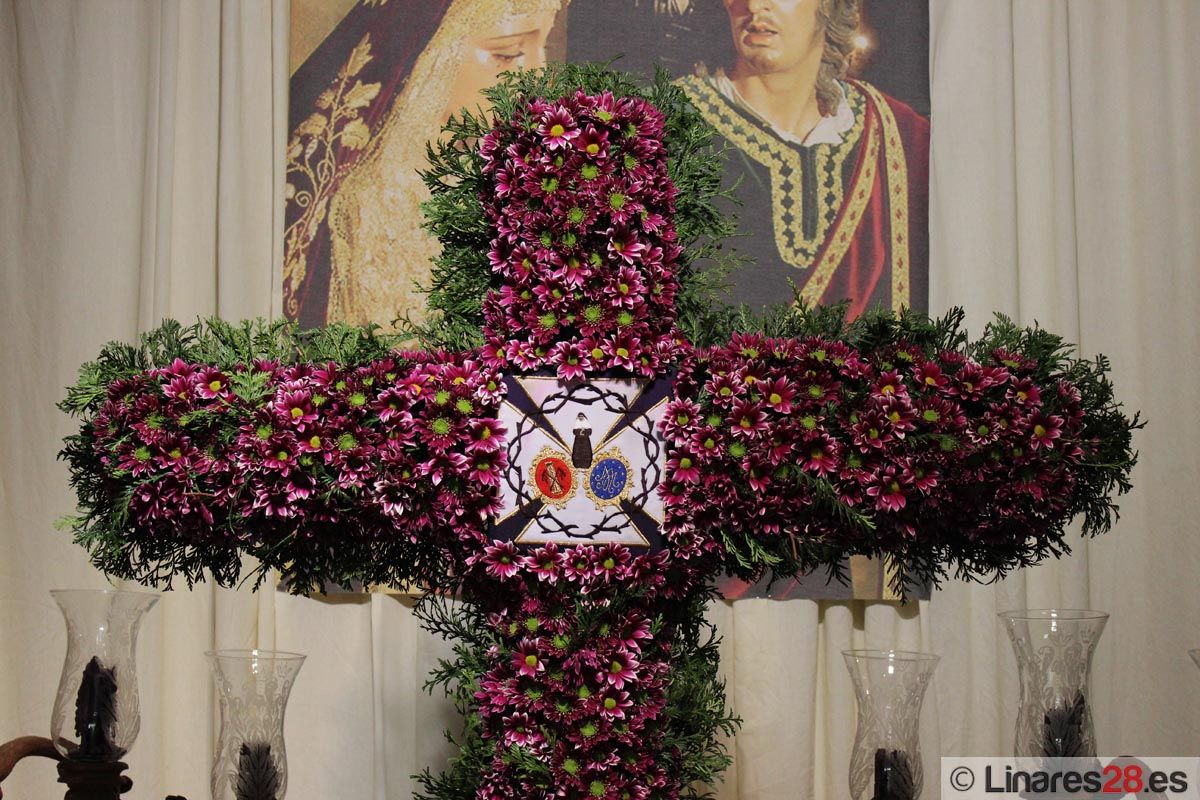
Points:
[[581, 450]]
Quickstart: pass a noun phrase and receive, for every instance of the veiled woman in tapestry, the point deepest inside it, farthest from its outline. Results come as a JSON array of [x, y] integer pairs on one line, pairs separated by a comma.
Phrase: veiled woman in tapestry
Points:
[[363, 106]]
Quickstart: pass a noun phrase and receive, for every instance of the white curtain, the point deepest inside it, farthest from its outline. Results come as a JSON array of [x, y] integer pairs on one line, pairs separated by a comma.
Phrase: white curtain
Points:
[[140, 177]]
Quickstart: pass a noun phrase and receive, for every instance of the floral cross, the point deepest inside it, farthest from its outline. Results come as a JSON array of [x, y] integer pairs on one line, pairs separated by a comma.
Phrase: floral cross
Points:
[[584, 668]]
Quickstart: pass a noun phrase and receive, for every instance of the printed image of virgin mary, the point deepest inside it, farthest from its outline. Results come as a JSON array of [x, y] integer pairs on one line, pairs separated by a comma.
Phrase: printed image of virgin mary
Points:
[[363, 106]]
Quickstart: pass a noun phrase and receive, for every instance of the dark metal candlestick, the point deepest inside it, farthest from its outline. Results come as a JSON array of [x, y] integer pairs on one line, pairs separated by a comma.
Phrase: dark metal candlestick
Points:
[[93, 780], [85, 780], [11, 753]]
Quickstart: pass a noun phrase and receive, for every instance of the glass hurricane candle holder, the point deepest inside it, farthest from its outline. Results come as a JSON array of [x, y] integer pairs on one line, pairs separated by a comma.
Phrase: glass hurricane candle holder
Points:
[[1054, 650], [97, 712], [890, 686], [253, 687]]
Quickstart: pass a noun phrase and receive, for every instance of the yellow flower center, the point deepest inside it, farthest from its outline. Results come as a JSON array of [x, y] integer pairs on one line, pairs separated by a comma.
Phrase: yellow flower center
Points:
[[592, 149], [214, 386], [557, 130], [314, 441], [776, 398]]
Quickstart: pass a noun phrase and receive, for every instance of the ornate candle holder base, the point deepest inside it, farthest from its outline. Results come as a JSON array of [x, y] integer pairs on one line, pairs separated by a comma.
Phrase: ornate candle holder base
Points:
[[94, 780], [85, 780]]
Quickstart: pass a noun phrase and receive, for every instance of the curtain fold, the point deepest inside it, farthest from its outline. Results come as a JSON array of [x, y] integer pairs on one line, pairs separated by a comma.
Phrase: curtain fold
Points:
[[141, 177]]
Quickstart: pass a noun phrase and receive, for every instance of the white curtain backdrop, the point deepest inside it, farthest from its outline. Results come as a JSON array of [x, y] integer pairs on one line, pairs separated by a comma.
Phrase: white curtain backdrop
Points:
[[140, 177]]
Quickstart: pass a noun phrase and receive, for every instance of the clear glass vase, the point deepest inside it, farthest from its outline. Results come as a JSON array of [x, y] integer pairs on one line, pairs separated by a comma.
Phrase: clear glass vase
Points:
[[890, 685], [1054, 650], [97, 712], [253, 688]]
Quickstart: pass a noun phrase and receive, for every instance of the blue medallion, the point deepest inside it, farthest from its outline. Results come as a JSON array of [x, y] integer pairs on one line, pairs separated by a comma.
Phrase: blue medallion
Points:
[[608, 478]]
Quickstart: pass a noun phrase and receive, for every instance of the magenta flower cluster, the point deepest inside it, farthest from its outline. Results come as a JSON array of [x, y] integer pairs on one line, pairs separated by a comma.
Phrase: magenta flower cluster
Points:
[[579, 675], [582, 209], [941, 452], [269, 456]]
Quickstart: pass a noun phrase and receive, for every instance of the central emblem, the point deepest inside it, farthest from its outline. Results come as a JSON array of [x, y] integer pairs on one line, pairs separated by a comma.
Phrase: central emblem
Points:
[[585, 461]]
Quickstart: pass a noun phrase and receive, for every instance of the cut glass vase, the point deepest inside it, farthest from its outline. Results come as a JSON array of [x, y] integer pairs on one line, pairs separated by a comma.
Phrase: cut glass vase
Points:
[[97, 712], [253, 688], [890, 686], [1054, 649]]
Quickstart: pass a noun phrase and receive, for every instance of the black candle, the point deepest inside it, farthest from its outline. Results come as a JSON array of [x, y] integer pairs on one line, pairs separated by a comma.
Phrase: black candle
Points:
[[257, 777], [893, 776], [1064, 729], [96, 714]]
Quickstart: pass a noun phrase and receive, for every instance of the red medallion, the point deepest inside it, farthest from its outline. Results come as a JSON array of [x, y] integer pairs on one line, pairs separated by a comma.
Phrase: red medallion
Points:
[[553, 477]]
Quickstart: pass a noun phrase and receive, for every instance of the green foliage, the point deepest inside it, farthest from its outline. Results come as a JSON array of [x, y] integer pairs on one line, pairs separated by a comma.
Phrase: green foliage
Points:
[[696, 720], [224, 345], [462, 276], [1106, 423], [101, 523], [1098, 482]]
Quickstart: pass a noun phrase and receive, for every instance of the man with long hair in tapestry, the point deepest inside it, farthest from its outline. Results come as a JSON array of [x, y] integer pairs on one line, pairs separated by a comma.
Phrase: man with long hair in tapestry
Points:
[[834, 173]]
